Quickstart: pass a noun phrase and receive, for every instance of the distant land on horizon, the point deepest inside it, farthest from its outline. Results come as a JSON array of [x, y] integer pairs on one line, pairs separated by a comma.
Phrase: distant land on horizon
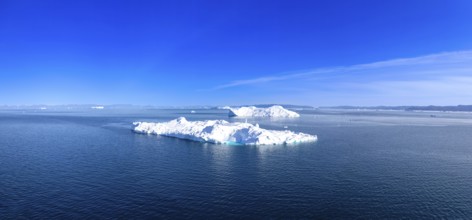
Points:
[[131, 106], [457, 108]]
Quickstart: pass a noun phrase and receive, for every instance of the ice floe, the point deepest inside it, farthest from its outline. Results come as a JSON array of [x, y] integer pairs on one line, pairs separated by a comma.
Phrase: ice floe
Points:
[[252, 111], [222, 132]]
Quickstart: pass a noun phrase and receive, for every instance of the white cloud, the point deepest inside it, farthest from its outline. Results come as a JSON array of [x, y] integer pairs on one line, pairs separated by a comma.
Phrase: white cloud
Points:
[[441, 63], [432, 79]]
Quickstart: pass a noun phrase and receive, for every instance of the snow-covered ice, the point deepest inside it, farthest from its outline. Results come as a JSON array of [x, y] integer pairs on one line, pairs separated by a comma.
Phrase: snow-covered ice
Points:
[[252, 111], [222, 132]]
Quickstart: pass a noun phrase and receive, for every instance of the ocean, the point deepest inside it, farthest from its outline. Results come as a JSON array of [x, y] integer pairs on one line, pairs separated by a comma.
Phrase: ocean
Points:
[[365, 165]]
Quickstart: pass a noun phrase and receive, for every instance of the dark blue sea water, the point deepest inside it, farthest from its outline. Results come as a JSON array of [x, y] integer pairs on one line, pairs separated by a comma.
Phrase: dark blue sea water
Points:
[[366, 164]]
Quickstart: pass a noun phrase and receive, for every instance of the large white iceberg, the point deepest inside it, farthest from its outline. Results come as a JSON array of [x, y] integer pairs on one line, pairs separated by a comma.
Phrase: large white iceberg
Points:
[[252, 111], [222, 132]]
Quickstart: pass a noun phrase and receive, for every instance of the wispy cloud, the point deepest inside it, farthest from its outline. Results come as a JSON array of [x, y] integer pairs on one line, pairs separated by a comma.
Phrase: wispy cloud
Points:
[[280, 77], [442, 78], [442, 64], [274, 78]]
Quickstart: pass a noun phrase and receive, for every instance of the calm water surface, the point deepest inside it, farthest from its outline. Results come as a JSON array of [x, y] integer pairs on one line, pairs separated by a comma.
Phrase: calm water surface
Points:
[[366, 164]]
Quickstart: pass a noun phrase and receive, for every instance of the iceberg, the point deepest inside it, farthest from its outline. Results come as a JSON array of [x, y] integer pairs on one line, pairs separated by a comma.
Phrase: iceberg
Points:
[[222, 132], [252, 111]]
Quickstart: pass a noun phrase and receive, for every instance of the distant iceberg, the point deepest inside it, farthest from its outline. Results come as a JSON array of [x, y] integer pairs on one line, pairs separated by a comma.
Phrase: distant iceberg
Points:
[[222, 132], [252, 111], [97, 107]]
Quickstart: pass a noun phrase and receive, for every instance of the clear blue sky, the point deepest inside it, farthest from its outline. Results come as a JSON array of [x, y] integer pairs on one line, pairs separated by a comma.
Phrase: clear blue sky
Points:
[[388, 52]]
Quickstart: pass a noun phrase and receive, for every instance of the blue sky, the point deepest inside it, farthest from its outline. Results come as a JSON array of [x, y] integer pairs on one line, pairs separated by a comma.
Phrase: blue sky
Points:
[[392, 52]]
